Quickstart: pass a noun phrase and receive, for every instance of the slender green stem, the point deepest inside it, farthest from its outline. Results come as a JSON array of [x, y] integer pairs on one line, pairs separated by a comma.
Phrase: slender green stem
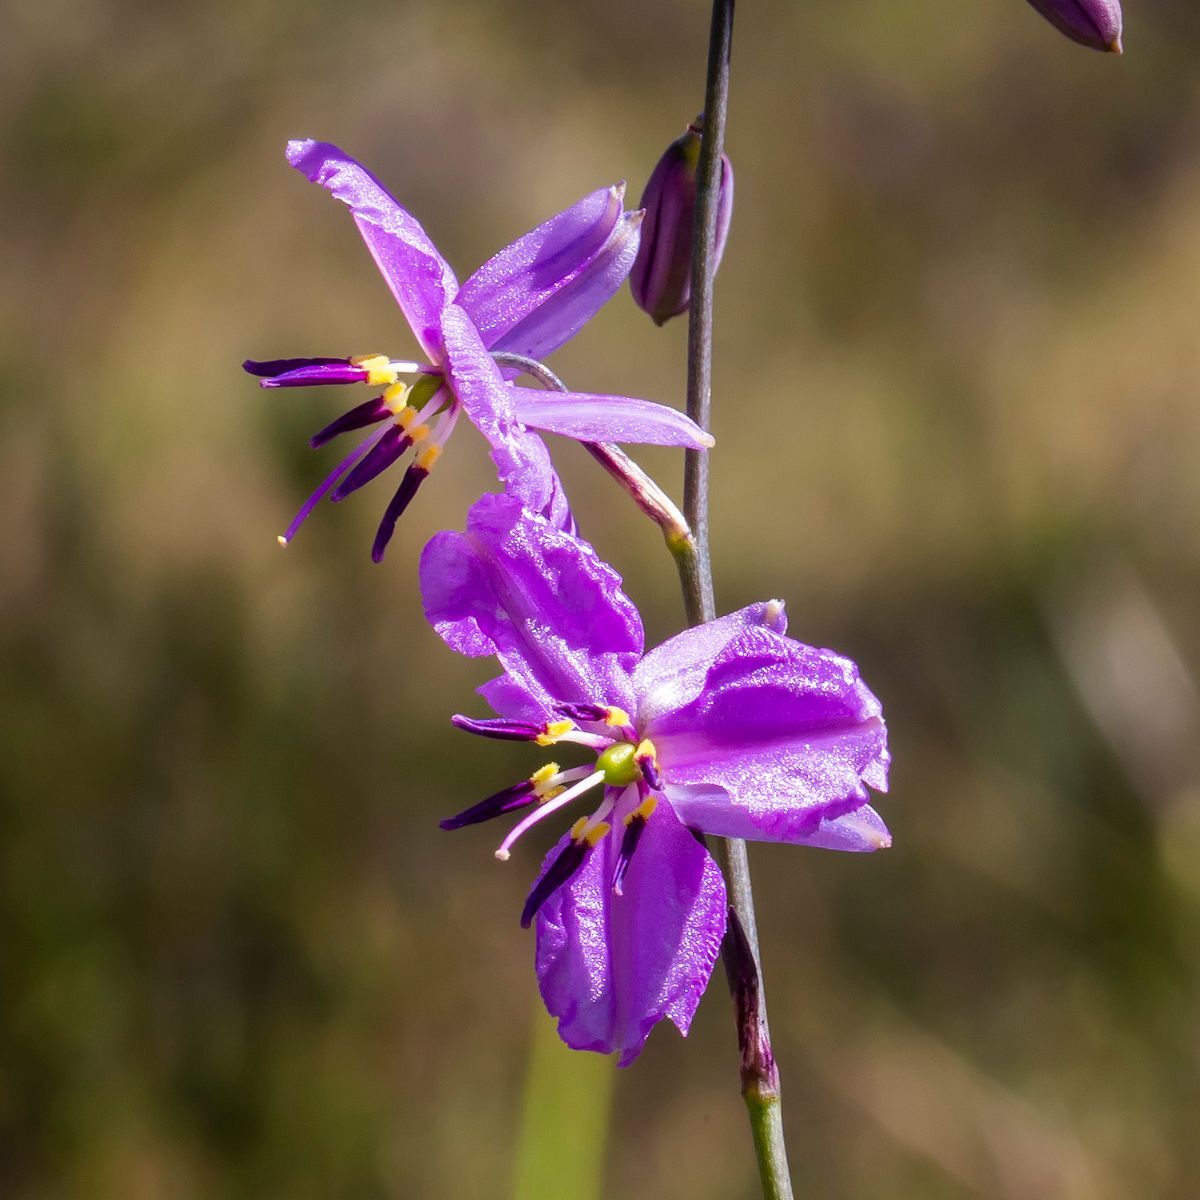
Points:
[[760, 1077]]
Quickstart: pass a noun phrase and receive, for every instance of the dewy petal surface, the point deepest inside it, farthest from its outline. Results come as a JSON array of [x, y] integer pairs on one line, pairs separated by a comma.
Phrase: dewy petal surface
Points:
[[420, 279], [610, 967], [541, 601], [596, 418], [789, 731], [579, 298], [522, 461], [534, 284], [709, 807], [672, 674]]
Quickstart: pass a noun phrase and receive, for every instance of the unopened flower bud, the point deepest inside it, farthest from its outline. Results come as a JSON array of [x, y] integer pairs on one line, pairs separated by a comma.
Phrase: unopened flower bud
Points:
[[1095, 23], [661, 279]]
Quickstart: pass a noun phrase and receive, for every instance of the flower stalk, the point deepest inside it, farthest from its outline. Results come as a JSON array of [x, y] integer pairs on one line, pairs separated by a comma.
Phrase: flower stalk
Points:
[[743, 966]]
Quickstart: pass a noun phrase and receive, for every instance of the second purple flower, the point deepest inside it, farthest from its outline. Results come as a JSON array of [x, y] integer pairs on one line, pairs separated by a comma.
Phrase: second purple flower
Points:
[[730, 728]]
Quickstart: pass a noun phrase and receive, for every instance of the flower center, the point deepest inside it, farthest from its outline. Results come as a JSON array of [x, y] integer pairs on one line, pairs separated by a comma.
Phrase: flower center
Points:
[[625, 770]]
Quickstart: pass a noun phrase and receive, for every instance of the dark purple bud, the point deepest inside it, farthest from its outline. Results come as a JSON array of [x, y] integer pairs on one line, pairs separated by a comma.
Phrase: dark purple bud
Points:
[[520, 795], [413, 478], [1095, 23], [370, 412], [381, 456], [661, 279], [305, 372], [569, 860]]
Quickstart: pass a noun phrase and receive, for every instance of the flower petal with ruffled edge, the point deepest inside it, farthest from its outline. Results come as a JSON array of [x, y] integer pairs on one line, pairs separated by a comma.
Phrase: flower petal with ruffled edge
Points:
[[790, 732], [516, 587], [610, 967]]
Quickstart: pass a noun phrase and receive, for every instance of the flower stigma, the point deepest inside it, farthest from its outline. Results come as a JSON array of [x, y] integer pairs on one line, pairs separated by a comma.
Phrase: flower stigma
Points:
[[619, 764]]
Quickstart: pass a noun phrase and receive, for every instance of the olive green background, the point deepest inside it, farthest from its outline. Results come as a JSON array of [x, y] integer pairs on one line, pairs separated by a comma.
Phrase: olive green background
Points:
[[957, 381]]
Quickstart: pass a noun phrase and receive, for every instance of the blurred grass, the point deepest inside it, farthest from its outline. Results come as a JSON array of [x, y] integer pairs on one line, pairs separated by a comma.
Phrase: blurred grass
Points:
[[957, 422], [564, 1121]]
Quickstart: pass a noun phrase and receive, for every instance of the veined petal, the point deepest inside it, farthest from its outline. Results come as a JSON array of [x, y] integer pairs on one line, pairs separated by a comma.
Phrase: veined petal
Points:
[[672, 674], [711, 809], [611, 966], [537, 293], [420, 279], [579, 297], [522, 462], [790, 732], [520, 279], [592, 418], [540, 600]]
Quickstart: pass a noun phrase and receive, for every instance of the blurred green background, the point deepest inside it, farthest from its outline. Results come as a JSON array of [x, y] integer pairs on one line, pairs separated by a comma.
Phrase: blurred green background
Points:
[[957, 420]]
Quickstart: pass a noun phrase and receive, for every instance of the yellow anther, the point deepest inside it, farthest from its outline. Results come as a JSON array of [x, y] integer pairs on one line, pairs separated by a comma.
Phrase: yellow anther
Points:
[[552, 794], [578, 828], [428, 457], [596, 833], [643, 811], [395, 397], [645, 749], [405, 417], [419, 433], [378, 367], [553, 731], [281, 540], [543, 774], [615, 716]]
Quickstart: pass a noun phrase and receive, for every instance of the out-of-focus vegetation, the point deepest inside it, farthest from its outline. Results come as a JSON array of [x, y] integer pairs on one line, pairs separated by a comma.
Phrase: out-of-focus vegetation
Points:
[[958, 421]]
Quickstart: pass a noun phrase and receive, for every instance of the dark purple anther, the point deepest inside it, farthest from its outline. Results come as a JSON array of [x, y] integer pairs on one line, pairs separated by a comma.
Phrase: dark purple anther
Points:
[[389, 448], [648, 765], [520, 795], [582, 712], [661, 279], [370, 412], [413, 478], [305, 372], [498, 728], [629, 842], [1094, 23], [569, 860]]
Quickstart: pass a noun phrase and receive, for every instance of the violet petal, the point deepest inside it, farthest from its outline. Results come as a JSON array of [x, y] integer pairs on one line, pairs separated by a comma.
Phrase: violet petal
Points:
[[596, 418], [526, 298], [550, 610], [611, 966], [418, 276], [790, 732], [522, 462]]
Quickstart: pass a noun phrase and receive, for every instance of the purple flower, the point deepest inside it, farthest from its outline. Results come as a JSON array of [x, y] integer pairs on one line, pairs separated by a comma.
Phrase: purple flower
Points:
[[730, 728], [1095, 23], [661, 279], [528, 299]]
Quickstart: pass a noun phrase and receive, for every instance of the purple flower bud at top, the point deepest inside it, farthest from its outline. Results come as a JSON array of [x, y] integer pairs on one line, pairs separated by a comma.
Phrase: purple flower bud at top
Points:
[[1095, 23], [661, 279]]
